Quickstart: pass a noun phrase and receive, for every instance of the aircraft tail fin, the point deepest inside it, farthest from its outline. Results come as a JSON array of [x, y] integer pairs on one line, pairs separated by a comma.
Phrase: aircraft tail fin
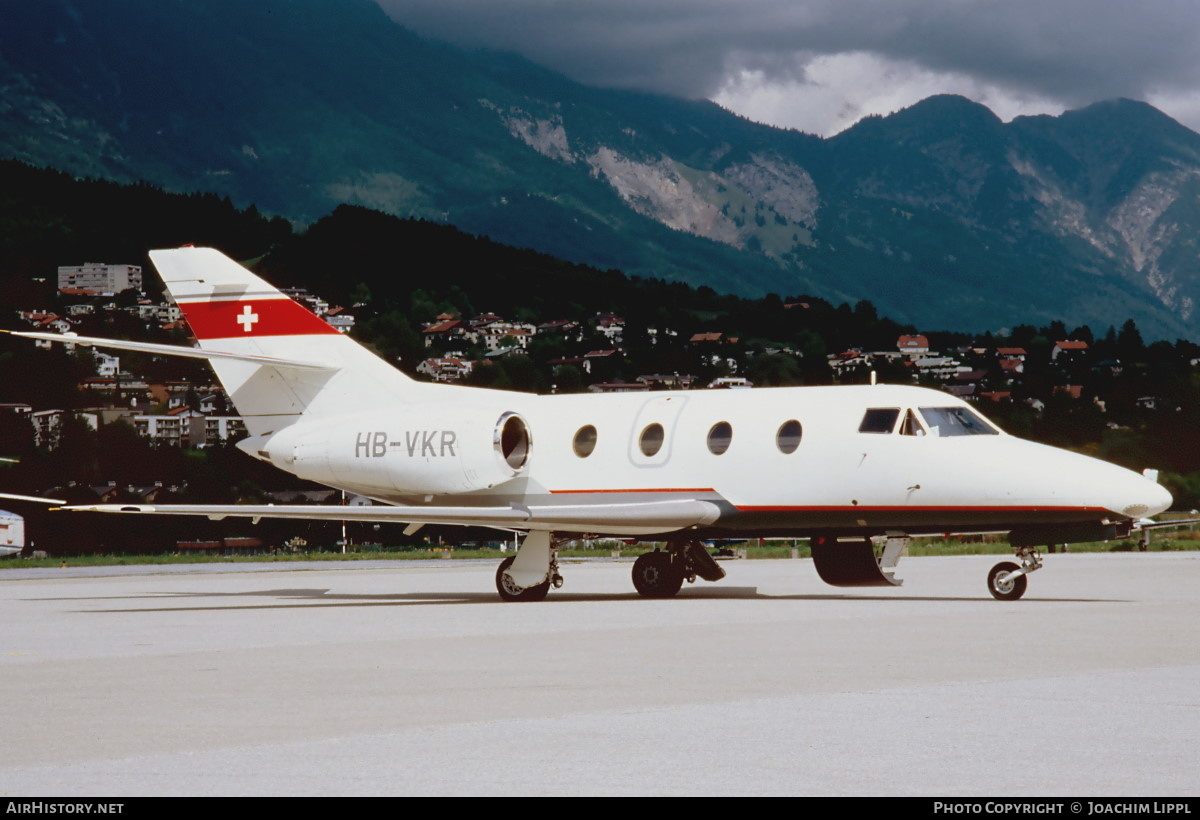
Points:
[[231, 310], [222, 300]]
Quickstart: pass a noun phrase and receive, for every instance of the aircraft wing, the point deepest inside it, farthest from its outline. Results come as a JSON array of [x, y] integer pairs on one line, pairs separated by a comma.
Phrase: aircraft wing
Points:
[[170, 350], [1150, 524], [642, 518]]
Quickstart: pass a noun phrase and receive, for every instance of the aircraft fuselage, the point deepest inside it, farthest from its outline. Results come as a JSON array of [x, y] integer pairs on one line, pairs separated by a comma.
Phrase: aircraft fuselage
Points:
[[782, 461]]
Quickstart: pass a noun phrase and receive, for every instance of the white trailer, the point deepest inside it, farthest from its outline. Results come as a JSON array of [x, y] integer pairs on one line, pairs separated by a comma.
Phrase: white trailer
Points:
[[12, 533]]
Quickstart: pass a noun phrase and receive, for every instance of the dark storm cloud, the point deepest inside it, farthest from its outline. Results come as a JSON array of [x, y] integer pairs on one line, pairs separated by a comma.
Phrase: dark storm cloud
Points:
[[1076, 51]]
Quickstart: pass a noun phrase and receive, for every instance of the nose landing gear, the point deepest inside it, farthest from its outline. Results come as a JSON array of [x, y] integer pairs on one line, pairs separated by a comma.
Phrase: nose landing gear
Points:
[[1006, 581]]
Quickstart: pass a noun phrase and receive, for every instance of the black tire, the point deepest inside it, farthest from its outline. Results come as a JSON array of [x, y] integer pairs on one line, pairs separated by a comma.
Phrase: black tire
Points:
[[655, 575], [510, 592], [1011, 590]]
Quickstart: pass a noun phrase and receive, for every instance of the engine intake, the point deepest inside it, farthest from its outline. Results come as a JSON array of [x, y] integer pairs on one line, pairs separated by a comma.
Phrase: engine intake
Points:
[[422, 449], [512, 440]]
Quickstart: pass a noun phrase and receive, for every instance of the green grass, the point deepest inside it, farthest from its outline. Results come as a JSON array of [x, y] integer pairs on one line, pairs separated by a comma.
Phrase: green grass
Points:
[[749, 549]]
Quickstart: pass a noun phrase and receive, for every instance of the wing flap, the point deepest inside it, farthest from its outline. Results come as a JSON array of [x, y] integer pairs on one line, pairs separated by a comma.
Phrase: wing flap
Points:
[[617, 519]]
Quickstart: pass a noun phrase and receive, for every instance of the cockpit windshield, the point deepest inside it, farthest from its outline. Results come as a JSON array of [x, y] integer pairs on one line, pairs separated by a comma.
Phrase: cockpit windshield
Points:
[[955, 421]]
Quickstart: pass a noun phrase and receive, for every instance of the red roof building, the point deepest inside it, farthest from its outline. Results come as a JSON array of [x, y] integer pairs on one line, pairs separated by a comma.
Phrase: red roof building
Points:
[[1068, 348]]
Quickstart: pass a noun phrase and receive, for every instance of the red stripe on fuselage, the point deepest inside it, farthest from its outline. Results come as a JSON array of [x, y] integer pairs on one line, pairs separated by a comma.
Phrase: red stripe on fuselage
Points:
[[253, 317], [861, 508], [645, 490]]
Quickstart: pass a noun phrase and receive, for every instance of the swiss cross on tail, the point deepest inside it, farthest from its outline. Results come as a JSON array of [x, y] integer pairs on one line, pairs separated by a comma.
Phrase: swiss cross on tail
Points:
[[247, 318]]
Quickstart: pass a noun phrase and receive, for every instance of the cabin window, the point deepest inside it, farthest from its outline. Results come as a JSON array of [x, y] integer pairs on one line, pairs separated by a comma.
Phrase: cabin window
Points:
[[879, 420], [956, 421], [585, 441], [651, 440], [720, 437], [910, 426], [787, 439]]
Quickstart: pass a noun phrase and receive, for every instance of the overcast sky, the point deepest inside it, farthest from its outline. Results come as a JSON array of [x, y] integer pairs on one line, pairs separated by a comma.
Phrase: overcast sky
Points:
[[820, 65]]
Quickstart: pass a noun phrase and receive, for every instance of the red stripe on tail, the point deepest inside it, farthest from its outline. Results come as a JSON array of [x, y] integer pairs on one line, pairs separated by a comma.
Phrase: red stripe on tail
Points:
[[255, 317]]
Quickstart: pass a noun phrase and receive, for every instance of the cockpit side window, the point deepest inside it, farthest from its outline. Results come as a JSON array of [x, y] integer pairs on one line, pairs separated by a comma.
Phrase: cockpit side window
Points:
[[879, 420], [910, 426], [956, 421]]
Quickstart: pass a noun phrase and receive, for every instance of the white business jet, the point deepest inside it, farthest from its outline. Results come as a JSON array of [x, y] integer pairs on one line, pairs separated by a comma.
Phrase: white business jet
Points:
[[858, 470]]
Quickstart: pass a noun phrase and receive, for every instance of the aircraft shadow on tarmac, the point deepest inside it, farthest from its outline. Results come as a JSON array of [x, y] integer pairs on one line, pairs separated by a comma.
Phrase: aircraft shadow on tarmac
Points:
[[320, 598]]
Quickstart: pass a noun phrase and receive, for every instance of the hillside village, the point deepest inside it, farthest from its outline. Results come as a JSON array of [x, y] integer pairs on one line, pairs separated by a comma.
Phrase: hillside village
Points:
[[970, 371]]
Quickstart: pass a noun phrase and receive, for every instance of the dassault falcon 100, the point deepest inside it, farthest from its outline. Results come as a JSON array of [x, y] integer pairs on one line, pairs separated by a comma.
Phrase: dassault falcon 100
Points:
[[858, 470]]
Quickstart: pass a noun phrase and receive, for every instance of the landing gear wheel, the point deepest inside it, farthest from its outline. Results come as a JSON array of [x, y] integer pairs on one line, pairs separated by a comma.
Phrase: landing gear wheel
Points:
[[655, 575], [511, 592], [1007, 589]]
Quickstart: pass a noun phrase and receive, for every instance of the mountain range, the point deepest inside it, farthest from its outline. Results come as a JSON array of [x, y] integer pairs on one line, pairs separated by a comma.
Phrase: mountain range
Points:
[[940, 214]]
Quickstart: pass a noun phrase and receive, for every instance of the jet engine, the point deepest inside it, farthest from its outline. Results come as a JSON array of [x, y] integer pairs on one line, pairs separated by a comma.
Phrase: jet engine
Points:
[[421, 449]]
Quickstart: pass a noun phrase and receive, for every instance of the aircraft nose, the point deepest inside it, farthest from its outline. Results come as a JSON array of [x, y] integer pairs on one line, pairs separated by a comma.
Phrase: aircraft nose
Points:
[[1144, 498]]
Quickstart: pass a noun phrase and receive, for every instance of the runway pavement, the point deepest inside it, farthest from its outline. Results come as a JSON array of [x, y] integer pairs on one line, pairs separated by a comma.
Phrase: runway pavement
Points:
[[400, 679]]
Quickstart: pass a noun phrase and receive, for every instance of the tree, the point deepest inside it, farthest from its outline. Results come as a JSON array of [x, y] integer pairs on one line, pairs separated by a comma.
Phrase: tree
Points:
[[76, 451], [774, 370], [1129, 342], [128, 458], [568, 379], [16, 435]]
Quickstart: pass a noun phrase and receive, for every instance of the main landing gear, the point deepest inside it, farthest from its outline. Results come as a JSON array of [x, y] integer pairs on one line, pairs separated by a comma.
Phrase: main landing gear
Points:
[[660, 574], [528, 575], [1006, 581], [511, 591]]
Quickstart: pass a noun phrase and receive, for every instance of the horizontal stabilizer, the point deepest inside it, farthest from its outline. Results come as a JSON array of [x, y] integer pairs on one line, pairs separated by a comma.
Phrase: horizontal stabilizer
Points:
[[34, 498], [171, 350], [616, 519]]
